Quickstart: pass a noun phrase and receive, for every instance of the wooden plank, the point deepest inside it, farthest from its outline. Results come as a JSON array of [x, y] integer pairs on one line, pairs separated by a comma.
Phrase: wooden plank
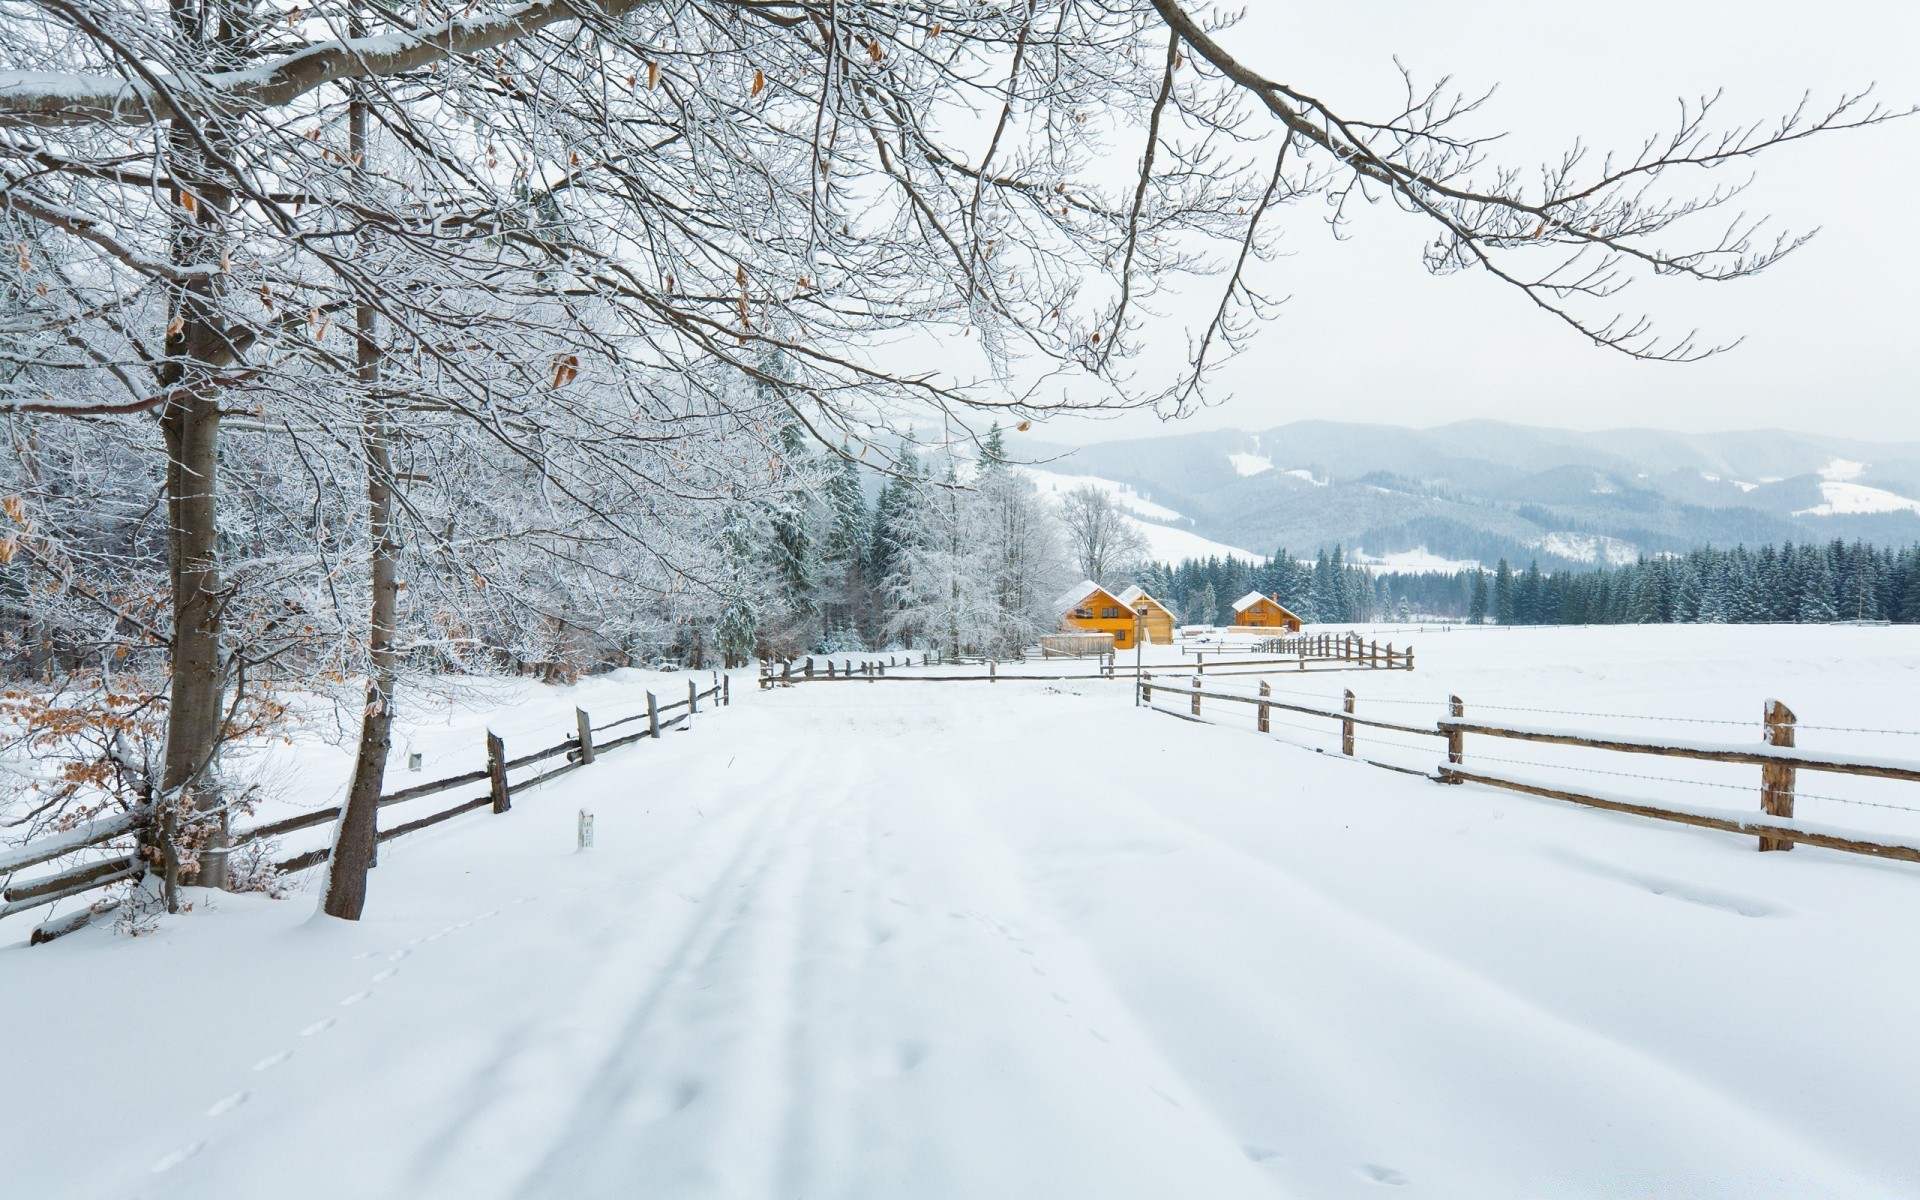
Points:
[[126, 872], [541, 755], [272, 829], [1346, 726], [1751, 828], [497, 773], [71, 923], [437, 785], [305, 859], [546, 775], [1704, 753], [1422, 730], [77, 838], [1776, 782], [584, 736], [436, 818], [73, 878], [1456, 741]]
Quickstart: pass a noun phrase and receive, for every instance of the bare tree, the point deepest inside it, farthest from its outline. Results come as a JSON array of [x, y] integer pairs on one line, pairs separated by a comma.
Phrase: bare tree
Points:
[[566, 225], [1103, 537]]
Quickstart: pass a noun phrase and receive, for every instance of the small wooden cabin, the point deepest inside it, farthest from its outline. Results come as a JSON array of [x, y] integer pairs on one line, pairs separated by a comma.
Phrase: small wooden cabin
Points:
[[1254, 611], [1158, 617], [1090, 608]]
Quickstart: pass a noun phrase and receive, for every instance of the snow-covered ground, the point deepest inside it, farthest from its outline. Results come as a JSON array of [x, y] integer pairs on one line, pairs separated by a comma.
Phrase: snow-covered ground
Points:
[[1024, 940]]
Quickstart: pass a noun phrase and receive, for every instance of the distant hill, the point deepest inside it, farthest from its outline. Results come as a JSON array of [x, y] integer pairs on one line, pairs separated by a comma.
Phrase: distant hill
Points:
[[1478, 491]]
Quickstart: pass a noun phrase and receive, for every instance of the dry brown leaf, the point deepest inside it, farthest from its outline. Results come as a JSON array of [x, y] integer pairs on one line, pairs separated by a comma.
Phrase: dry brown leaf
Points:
[[653, 75], [759, 84], [175, 326]]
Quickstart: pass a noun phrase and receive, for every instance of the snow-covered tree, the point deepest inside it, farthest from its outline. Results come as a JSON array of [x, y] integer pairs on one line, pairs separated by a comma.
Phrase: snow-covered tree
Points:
[[1103, 538]]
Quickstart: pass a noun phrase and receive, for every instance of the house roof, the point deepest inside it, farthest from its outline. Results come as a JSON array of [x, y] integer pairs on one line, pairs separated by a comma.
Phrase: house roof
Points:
[[1252, 598], [1134, 594], [1073, 598]]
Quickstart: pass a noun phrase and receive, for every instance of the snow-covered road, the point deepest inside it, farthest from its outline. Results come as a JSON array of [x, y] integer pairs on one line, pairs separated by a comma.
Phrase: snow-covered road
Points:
[[998, 942]]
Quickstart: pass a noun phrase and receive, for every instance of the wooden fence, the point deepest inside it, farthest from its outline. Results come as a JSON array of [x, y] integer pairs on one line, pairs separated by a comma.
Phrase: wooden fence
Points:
[[1312, 652], [579, 750], [1777, 757]]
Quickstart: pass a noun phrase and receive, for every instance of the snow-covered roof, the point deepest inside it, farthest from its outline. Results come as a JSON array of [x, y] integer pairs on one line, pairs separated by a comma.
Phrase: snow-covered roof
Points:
[[1080, 591], [1134, 594], [1249, 600]]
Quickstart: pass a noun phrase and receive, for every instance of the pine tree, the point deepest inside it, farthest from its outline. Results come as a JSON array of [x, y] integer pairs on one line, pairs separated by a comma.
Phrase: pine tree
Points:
[[893, 515], [1503, 613], [737, 629], [1477, 599]]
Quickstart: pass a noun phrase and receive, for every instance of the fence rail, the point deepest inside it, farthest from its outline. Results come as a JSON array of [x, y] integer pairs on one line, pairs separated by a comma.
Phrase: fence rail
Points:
[[74, 880], [1778, 757], [1307, 652]]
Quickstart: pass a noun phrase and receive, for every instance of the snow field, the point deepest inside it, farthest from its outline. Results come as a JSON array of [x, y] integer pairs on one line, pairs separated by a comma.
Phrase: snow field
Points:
[[968, 940]]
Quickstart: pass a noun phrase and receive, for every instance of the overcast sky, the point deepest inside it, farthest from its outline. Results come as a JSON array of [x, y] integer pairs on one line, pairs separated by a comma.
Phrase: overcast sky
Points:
[[1832, 334]]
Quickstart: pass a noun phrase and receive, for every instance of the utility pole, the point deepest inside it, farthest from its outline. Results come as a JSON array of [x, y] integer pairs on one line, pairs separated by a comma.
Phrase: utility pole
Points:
[[1139, 633]]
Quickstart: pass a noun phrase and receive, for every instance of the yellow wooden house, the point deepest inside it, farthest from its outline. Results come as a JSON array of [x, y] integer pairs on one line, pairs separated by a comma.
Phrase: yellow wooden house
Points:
[[1254, 611], [1157, 617], [1090, 608]]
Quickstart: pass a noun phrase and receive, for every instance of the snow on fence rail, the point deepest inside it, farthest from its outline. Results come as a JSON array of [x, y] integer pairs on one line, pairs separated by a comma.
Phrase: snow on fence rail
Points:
[[579, 750], [1779, 760]]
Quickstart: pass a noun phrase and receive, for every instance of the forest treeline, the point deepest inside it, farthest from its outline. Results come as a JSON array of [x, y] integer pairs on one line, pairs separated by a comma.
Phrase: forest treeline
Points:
[[1807, 582]]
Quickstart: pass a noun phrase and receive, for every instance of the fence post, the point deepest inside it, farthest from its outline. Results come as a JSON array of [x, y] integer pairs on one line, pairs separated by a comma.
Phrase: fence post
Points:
[[1777, 783], [1346, 728], [1146, 692], [1265, 712], [585, 725], [1196, 695], [653, 717], [1456, 741], [497, 772], [726, 690], [1409, 659], [829, 668], [808, 669], [693, 697], [993, 670]]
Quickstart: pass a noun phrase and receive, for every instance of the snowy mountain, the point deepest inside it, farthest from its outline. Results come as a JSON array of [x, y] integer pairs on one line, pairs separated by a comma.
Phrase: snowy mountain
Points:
[[1478, 491]]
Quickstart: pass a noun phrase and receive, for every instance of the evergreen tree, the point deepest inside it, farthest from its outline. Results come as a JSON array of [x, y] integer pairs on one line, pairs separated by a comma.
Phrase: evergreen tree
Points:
[[737, 629], [1477, 599], [1503, 612]]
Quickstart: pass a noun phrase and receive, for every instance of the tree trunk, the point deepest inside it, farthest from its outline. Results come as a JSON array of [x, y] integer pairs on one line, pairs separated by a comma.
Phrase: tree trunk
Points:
[[197, 347], [356, 839]]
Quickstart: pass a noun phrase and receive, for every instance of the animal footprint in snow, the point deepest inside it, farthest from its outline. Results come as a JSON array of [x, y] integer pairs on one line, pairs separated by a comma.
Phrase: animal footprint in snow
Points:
[[227, 1104], [1261, 1154], [1380, 1174], [273, 1060], [317, 1027], [397, 955], [356, 998], [173, 1159], [385, 975]]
